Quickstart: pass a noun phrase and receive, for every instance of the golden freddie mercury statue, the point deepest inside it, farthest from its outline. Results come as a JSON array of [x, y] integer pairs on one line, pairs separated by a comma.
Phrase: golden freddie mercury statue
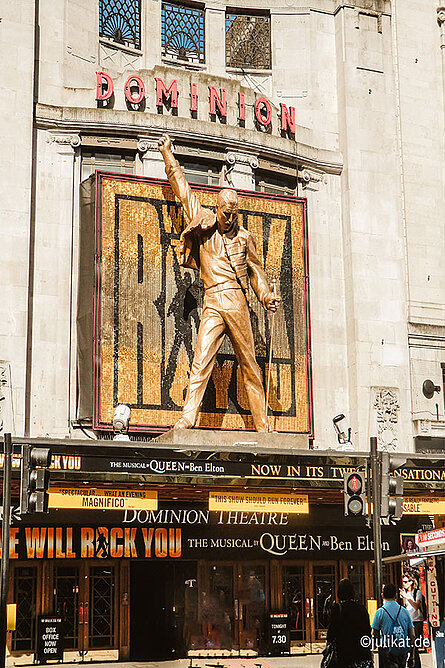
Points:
[[226, 255]]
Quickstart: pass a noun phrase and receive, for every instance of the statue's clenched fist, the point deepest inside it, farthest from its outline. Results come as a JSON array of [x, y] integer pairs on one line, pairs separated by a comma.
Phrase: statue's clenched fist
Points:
[[165, 144]]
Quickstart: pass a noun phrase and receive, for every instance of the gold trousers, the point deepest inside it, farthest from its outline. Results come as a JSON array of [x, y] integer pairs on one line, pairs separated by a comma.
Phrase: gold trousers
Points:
[[225, 312]]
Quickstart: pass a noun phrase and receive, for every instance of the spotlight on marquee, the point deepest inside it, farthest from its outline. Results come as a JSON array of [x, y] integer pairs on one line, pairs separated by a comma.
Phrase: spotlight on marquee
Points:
[[343, 431]]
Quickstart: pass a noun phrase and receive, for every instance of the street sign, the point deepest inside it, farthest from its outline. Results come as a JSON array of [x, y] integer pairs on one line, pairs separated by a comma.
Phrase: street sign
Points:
[[430, 538], [265, 502], [432, 593], [103, 498]]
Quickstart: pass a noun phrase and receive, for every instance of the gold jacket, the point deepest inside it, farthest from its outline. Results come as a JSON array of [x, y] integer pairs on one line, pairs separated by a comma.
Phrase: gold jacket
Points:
[[222, 261]]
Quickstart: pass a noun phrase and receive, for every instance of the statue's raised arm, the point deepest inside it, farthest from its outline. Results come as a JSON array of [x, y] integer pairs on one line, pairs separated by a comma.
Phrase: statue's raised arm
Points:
[[180, 187]]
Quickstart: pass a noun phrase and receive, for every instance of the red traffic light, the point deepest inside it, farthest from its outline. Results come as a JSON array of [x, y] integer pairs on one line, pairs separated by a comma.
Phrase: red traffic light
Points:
[[354, 493], [354, 484]]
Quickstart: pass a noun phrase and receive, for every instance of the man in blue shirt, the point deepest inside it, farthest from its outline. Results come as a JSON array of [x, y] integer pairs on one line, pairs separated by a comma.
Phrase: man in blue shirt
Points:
[[393, 625]]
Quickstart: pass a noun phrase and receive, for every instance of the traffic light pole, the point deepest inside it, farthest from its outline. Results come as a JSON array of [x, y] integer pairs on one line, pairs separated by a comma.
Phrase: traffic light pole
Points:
[[376, 526], [4, 564]]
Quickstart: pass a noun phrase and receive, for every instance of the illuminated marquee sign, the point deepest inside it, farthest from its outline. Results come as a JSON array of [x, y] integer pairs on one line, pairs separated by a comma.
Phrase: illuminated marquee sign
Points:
[[301, 468], [146, 541], [433, 593], [147, 310], [93, 498], [284, 503], [415, 505]]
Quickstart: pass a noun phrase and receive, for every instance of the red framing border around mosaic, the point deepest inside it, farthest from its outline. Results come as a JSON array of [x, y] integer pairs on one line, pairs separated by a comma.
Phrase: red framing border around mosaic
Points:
[[97, 313]]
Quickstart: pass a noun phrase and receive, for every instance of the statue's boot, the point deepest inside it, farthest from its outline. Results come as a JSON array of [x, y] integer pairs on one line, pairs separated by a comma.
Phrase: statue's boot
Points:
[[183, 423]]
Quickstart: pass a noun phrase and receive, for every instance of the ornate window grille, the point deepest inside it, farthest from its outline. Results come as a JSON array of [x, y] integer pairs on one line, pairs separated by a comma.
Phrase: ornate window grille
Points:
[[102, 605], [183, 32], [25, 593], [248, 41], [120, 20]]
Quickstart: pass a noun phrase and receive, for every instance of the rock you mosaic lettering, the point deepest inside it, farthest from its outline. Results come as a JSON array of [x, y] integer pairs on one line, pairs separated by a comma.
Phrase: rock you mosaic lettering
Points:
[[147, 310]]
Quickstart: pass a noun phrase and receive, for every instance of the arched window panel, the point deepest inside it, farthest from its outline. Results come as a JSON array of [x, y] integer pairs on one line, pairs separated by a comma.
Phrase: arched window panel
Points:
[[120, 21], [183, 32], [248, 41]]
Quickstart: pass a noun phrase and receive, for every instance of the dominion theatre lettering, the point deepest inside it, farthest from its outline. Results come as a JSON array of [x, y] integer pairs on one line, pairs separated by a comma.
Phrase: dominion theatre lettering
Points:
[[193, 516], [167, 96], [140, 542]]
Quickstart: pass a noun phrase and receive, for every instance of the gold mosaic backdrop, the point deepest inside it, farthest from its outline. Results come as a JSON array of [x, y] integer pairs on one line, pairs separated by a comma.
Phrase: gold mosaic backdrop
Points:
[[148, 311]]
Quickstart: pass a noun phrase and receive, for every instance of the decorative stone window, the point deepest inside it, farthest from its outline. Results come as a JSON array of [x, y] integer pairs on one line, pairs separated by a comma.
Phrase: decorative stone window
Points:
[[196, 171], [283, 184], [120, 21], [107, 161], [248, 41], [183, 32]]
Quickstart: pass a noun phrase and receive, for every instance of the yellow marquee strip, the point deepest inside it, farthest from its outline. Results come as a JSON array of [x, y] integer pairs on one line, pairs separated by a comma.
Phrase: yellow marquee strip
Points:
[[416, 505], [94, 498], [281, 503]]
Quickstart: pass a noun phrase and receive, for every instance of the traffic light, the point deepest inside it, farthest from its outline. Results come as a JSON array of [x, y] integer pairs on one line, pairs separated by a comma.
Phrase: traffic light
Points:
[[34, 479], [392, 487], [354, 493]]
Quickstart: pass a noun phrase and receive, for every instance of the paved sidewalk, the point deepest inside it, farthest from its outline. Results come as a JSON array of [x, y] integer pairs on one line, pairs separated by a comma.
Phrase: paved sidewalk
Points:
[[295, 661]]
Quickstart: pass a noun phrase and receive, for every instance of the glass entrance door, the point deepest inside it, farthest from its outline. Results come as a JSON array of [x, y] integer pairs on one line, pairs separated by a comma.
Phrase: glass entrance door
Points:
[[234, 608], [66, 602], [324, 587], [295, 602], [164, 604], [220, 613], [84, 596], [251, 597]]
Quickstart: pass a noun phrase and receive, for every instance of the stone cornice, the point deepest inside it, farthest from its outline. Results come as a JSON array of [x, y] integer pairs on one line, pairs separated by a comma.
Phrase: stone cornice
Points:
[[117, 122]]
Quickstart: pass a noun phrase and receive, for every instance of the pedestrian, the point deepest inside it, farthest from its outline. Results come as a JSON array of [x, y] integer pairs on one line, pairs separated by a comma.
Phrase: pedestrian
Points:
[[412, 600], [349, 624], [394, 628]]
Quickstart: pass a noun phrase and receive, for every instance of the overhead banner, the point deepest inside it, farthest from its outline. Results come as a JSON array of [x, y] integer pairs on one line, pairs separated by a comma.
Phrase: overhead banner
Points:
[[154, 541], [106, 498], [282, 503], [137, 348]]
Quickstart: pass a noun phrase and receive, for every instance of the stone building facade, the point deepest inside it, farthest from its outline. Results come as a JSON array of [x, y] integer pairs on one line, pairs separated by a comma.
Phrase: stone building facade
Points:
[[366, 80]]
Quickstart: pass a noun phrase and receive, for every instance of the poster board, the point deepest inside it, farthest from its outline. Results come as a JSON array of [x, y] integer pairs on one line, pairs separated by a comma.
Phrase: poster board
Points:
[[139, 311], [50, 639]]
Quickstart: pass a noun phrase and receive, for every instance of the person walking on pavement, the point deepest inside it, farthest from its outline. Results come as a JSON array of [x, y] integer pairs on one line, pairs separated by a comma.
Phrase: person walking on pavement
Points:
[[349, 623], [412, 600], [393, 626]]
